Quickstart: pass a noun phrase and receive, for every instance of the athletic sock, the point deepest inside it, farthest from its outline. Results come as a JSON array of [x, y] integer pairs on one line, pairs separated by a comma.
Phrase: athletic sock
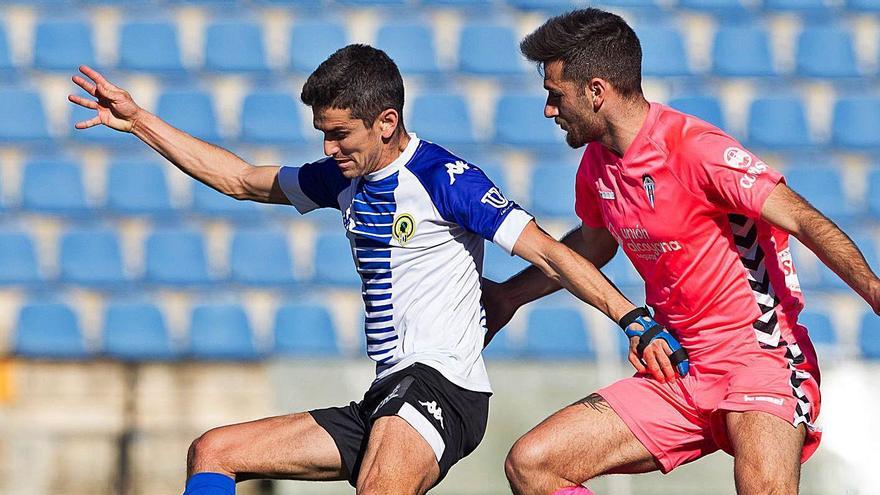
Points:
[[573, 490], [210, 484]]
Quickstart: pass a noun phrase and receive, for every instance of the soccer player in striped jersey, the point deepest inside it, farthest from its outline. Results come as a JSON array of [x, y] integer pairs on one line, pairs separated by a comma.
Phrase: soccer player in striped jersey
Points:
[[706, 224], [416, 216]]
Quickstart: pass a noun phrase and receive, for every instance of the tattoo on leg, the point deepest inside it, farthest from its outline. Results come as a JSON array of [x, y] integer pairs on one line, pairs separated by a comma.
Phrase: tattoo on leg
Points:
[[594, 401]]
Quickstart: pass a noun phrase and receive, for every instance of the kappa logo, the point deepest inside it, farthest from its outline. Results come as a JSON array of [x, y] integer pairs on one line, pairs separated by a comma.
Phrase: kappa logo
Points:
[[435, 411], [403, 228], [648, 185], [494, 198], [456, 168]]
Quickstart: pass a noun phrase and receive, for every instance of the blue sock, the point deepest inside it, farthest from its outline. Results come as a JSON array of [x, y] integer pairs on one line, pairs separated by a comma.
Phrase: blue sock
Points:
[[210, 484]]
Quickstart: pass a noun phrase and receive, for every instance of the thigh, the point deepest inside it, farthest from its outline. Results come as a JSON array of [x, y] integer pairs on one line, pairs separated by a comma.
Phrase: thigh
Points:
[[766, 450], [398, 460], [282, 447]]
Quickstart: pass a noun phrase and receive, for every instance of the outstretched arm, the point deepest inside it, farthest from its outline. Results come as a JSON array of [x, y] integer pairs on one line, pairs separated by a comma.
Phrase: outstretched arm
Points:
[[207, 163], [787, 210]]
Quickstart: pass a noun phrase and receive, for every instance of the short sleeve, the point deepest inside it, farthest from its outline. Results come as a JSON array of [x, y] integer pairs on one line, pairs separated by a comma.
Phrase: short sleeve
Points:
[[586, 198], [313, 185], [730, 176]]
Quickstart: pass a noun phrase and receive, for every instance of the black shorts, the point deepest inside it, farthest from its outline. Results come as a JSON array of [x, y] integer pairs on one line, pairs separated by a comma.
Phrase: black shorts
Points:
[[450, 418]]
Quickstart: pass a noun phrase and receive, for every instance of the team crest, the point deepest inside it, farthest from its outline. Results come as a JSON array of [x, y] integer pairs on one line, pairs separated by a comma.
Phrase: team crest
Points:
[[403, 228], [648, 184]]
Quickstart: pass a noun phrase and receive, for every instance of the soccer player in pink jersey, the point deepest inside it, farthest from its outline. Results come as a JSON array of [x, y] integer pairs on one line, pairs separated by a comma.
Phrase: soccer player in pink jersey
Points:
[[706, 223]]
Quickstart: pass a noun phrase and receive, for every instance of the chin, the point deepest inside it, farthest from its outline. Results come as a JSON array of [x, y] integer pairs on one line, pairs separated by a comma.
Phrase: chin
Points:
[[573, 141]]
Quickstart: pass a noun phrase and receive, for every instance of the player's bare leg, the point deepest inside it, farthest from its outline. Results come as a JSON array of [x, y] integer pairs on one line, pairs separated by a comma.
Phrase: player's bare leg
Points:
[[397, 461], [580, 442], [767, 453], [282, 447]]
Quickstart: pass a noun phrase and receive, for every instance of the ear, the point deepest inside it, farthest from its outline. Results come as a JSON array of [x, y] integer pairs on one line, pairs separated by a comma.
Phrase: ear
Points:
[[387, 122], [597, 91]]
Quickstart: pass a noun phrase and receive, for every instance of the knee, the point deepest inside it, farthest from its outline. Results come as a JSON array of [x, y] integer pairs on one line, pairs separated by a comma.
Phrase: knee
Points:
[[526, 462]]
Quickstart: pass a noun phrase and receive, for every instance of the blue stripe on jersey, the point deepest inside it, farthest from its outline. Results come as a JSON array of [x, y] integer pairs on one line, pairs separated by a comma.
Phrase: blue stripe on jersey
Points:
[[372, 215]]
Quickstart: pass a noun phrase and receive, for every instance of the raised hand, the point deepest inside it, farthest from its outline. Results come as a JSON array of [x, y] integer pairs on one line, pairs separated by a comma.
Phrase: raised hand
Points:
[[115, 107]]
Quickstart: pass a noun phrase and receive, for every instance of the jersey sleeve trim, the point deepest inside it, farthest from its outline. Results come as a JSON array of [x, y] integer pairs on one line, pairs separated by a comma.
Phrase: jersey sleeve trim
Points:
[[511, 228], [288, 179]]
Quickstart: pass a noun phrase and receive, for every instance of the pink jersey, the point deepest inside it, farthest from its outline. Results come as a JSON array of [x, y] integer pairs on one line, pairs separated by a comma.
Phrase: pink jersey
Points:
[[684, 203]]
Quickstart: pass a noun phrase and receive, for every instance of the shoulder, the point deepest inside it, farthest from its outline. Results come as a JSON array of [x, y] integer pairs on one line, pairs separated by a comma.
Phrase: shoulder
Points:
[[326, 171], [438, 169]]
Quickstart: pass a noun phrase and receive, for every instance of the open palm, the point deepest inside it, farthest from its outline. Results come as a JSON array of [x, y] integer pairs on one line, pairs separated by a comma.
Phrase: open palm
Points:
[[116, 108]]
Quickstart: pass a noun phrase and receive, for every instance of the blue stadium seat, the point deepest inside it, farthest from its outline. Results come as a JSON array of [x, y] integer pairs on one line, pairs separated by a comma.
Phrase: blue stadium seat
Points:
[[663, 52], [856, 123], [554, 333], [869, 336], [462, 4], [138, 188], [552, 190], [411, 46], [221, 332], [742, 51], [873, 195], [18, 259], [489, 49], [442, 118], [312, 42], [261, 258], [63, 45], [211, 203], [99, 134], [304, 330], [707, 108], [778, 122], [543, 5], [819, 327], [53, 187], [725, 8], [826, 52], [863, 5], [234, 46], [271, 117], [49, 331], [136, 332], [176, 257], [822, 186], [150, 47], [91, 257], [804, 7], [520, 121], [5, 52], [333, 262], [499, 266], [22, 117], [191, 111]]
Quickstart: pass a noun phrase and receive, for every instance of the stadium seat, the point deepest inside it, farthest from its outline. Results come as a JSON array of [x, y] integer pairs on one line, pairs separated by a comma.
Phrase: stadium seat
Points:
[[150, 47], [707, 108], [304, 330], [176, 257], [557, 333], [489, 49], [411, 46], [863, 5], [234, 46], [552, 190], [221, 332], [99, 134], [819, 327], [856, 123], [663, 52], [826, 52], [520, 121], [442, 118], [869, 336], [138, 188], [822, 186], [53, 187], [18, 259], [742, 51], [542, 5], [803, 7], [462, 4], [191, 111], [873, 194], [724, 8], [91, 257], [271, 118], [311, 42], [49, 331], [63, 45], [333, 260], [22, 117], [211, 203], [778, 122], [261, 258], [136, 332], [5, 52]]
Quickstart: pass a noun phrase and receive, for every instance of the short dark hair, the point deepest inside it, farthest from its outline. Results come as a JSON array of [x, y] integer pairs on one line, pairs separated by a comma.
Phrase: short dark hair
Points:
[[589, 43], [358, 78]]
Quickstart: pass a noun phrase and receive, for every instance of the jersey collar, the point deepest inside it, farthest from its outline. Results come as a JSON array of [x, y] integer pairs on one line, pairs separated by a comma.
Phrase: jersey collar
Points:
[[643, 136], [398, 162]]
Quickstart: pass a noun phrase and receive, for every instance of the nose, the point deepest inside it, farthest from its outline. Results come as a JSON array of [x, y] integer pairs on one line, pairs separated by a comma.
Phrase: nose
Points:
[[330, 148], [550, 111]]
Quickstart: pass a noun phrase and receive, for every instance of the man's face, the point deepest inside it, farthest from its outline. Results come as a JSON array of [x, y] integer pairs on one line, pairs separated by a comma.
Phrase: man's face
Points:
[[355, 147], [568, 105]]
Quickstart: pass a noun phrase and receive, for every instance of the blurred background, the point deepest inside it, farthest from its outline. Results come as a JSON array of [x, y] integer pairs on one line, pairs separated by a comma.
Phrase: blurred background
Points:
[[139, 308]]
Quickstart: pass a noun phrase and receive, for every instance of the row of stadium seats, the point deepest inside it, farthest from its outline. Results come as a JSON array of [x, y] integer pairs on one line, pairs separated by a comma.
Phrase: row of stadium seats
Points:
[[484, 49], [274, 118], [55, 187], [138, 332]]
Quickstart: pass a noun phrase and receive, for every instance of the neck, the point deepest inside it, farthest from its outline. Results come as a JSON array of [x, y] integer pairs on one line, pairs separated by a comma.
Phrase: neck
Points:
[[393, 149], [624, 124]]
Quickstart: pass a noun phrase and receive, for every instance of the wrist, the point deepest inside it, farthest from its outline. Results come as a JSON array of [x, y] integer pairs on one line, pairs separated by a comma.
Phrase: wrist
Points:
[[138, 122]]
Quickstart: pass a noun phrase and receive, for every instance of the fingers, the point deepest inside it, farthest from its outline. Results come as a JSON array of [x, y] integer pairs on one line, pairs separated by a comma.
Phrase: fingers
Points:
[[93, 74], [85, 85], [634, 356], [84, 102], [85, 124], [653, 365], [659, 353]]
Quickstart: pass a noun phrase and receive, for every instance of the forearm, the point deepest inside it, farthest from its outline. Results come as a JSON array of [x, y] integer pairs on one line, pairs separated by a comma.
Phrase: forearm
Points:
[[207, 163]]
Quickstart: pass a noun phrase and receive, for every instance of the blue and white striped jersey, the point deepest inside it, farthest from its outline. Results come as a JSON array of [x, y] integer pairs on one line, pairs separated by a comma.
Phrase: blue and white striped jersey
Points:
[[416, 229]]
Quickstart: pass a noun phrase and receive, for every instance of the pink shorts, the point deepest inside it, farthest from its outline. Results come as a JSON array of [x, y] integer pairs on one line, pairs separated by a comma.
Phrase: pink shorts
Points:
[[682, 421]]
